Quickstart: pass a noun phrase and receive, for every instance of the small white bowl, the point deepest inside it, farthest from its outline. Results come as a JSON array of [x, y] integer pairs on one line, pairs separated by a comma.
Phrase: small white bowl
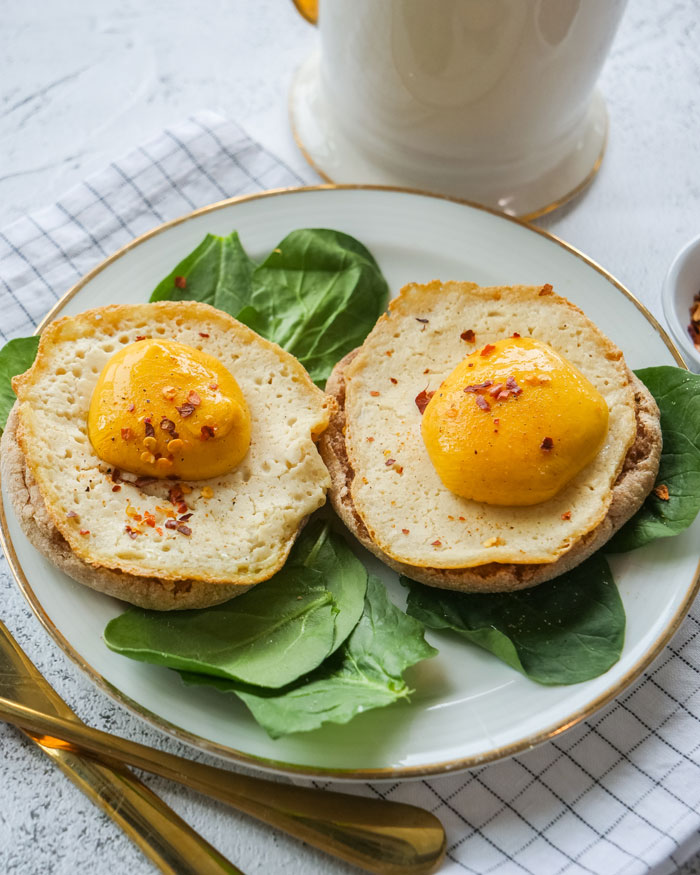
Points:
[[681, 285]]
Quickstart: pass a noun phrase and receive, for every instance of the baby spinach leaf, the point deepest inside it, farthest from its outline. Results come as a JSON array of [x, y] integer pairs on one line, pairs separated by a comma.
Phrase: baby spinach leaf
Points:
[[365, 673], [217, 272], [677, 392], [343, 574], [269, 636], [16, 357], [565, 631], [318, 294]]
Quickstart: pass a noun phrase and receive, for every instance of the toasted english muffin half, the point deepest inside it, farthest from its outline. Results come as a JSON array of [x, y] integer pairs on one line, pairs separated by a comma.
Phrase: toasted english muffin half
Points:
[[127, 535], [404, 514]]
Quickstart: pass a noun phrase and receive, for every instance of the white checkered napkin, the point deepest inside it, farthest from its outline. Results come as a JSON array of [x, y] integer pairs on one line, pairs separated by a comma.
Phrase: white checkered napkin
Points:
[[619, 794], [198, 162]]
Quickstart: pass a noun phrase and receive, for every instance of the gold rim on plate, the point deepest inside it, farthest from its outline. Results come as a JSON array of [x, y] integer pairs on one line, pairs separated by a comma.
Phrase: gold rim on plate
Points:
[[294, 769]]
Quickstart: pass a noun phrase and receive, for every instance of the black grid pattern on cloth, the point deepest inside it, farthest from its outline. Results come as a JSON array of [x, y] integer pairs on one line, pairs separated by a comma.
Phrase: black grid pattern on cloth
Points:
[[616, 795]]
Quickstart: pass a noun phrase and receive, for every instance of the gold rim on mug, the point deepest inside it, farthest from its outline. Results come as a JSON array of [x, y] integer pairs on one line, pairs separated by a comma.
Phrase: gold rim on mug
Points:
[[293, 769], [526, 217]]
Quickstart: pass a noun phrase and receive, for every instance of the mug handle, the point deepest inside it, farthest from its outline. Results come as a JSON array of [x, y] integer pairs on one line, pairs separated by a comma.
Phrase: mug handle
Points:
[[308, 9]]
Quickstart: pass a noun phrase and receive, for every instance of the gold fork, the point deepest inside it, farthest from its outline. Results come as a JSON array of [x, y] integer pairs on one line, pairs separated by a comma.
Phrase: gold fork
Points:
[[389, 838]]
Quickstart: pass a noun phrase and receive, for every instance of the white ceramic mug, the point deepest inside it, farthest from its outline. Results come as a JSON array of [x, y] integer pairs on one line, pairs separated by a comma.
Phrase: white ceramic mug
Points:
[[492, 100]]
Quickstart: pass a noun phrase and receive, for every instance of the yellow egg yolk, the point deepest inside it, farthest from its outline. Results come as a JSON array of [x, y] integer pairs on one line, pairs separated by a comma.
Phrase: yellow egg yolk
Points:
[[513, 423], [163, 409]]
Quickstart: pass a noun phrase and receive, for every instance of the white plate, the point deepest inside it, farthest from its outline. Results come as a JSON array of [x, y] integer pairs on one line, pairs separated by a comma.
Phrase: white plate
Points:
[[468, 707]]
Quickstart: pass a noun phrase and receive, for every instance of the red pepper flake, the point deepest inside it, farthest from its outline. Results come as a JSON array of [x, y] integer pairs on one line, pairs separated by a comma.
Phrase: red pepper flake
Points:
[[130, 408], [694, 324], [127, 434], [482, 403], [374, 393], [148, 425], [186, 410], [116, 488], [206, 432], [140, 482], [175, 494], [390, 462], [132, 533], [546, 290], [495, 390], [141, 337], [513, 387], [468, 335], [185, 517], [497, 422], [547, 444], [184, 530], [194, 398], [159, 530], [167, 425], [489, 348], [370, 440], [182, 507], [419, 319], [422, 400], [180, 282], [436, 544], [405, 531], [203, 334], [213, 386], [661, 491], [170, 524], [476, 387], [72, 515], [84, 532], [566, 515], [515, 334], [462, 518], [398, 469], [393, 380], [149, 519]]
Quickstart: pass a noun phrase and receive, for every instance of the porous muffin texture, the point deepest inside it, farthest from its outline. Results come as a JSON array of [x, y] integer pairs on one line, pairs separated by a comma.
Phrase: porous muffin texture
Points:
[[385, 487], [243, 523]]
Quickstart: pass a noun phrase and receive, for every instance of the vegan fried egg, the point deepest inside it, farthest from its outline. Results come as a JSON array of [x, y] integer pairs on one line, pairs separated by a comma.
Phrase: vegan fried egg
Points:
[[487, 438], [169, 447]]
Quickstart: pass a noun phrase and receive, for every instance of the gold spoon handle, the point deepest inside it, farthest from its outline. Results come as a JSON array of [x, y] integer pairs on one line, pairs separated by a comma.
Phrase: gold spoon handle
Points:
[[388, 838]]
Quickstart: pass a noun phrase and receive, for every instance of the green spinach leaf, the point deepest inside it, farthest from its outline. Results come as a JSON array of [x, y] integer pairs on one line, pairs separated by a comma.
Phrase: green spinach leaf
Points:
[[343, 574], [217, 272], [15, 358], [565, 631], [677, 393], [367, 672], [270, 635], [318, 294]]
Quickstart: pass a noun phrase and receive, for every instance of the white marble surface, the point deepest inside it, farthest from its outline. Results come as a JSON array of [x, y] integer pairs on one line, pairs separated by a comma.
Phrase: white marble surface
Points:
[[82, 83]]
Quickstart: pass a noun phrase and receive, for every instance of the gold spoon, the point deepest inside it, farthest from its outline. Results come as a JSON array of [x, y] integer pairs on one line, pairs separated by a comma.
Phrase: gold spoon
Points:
[[389, 838]]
